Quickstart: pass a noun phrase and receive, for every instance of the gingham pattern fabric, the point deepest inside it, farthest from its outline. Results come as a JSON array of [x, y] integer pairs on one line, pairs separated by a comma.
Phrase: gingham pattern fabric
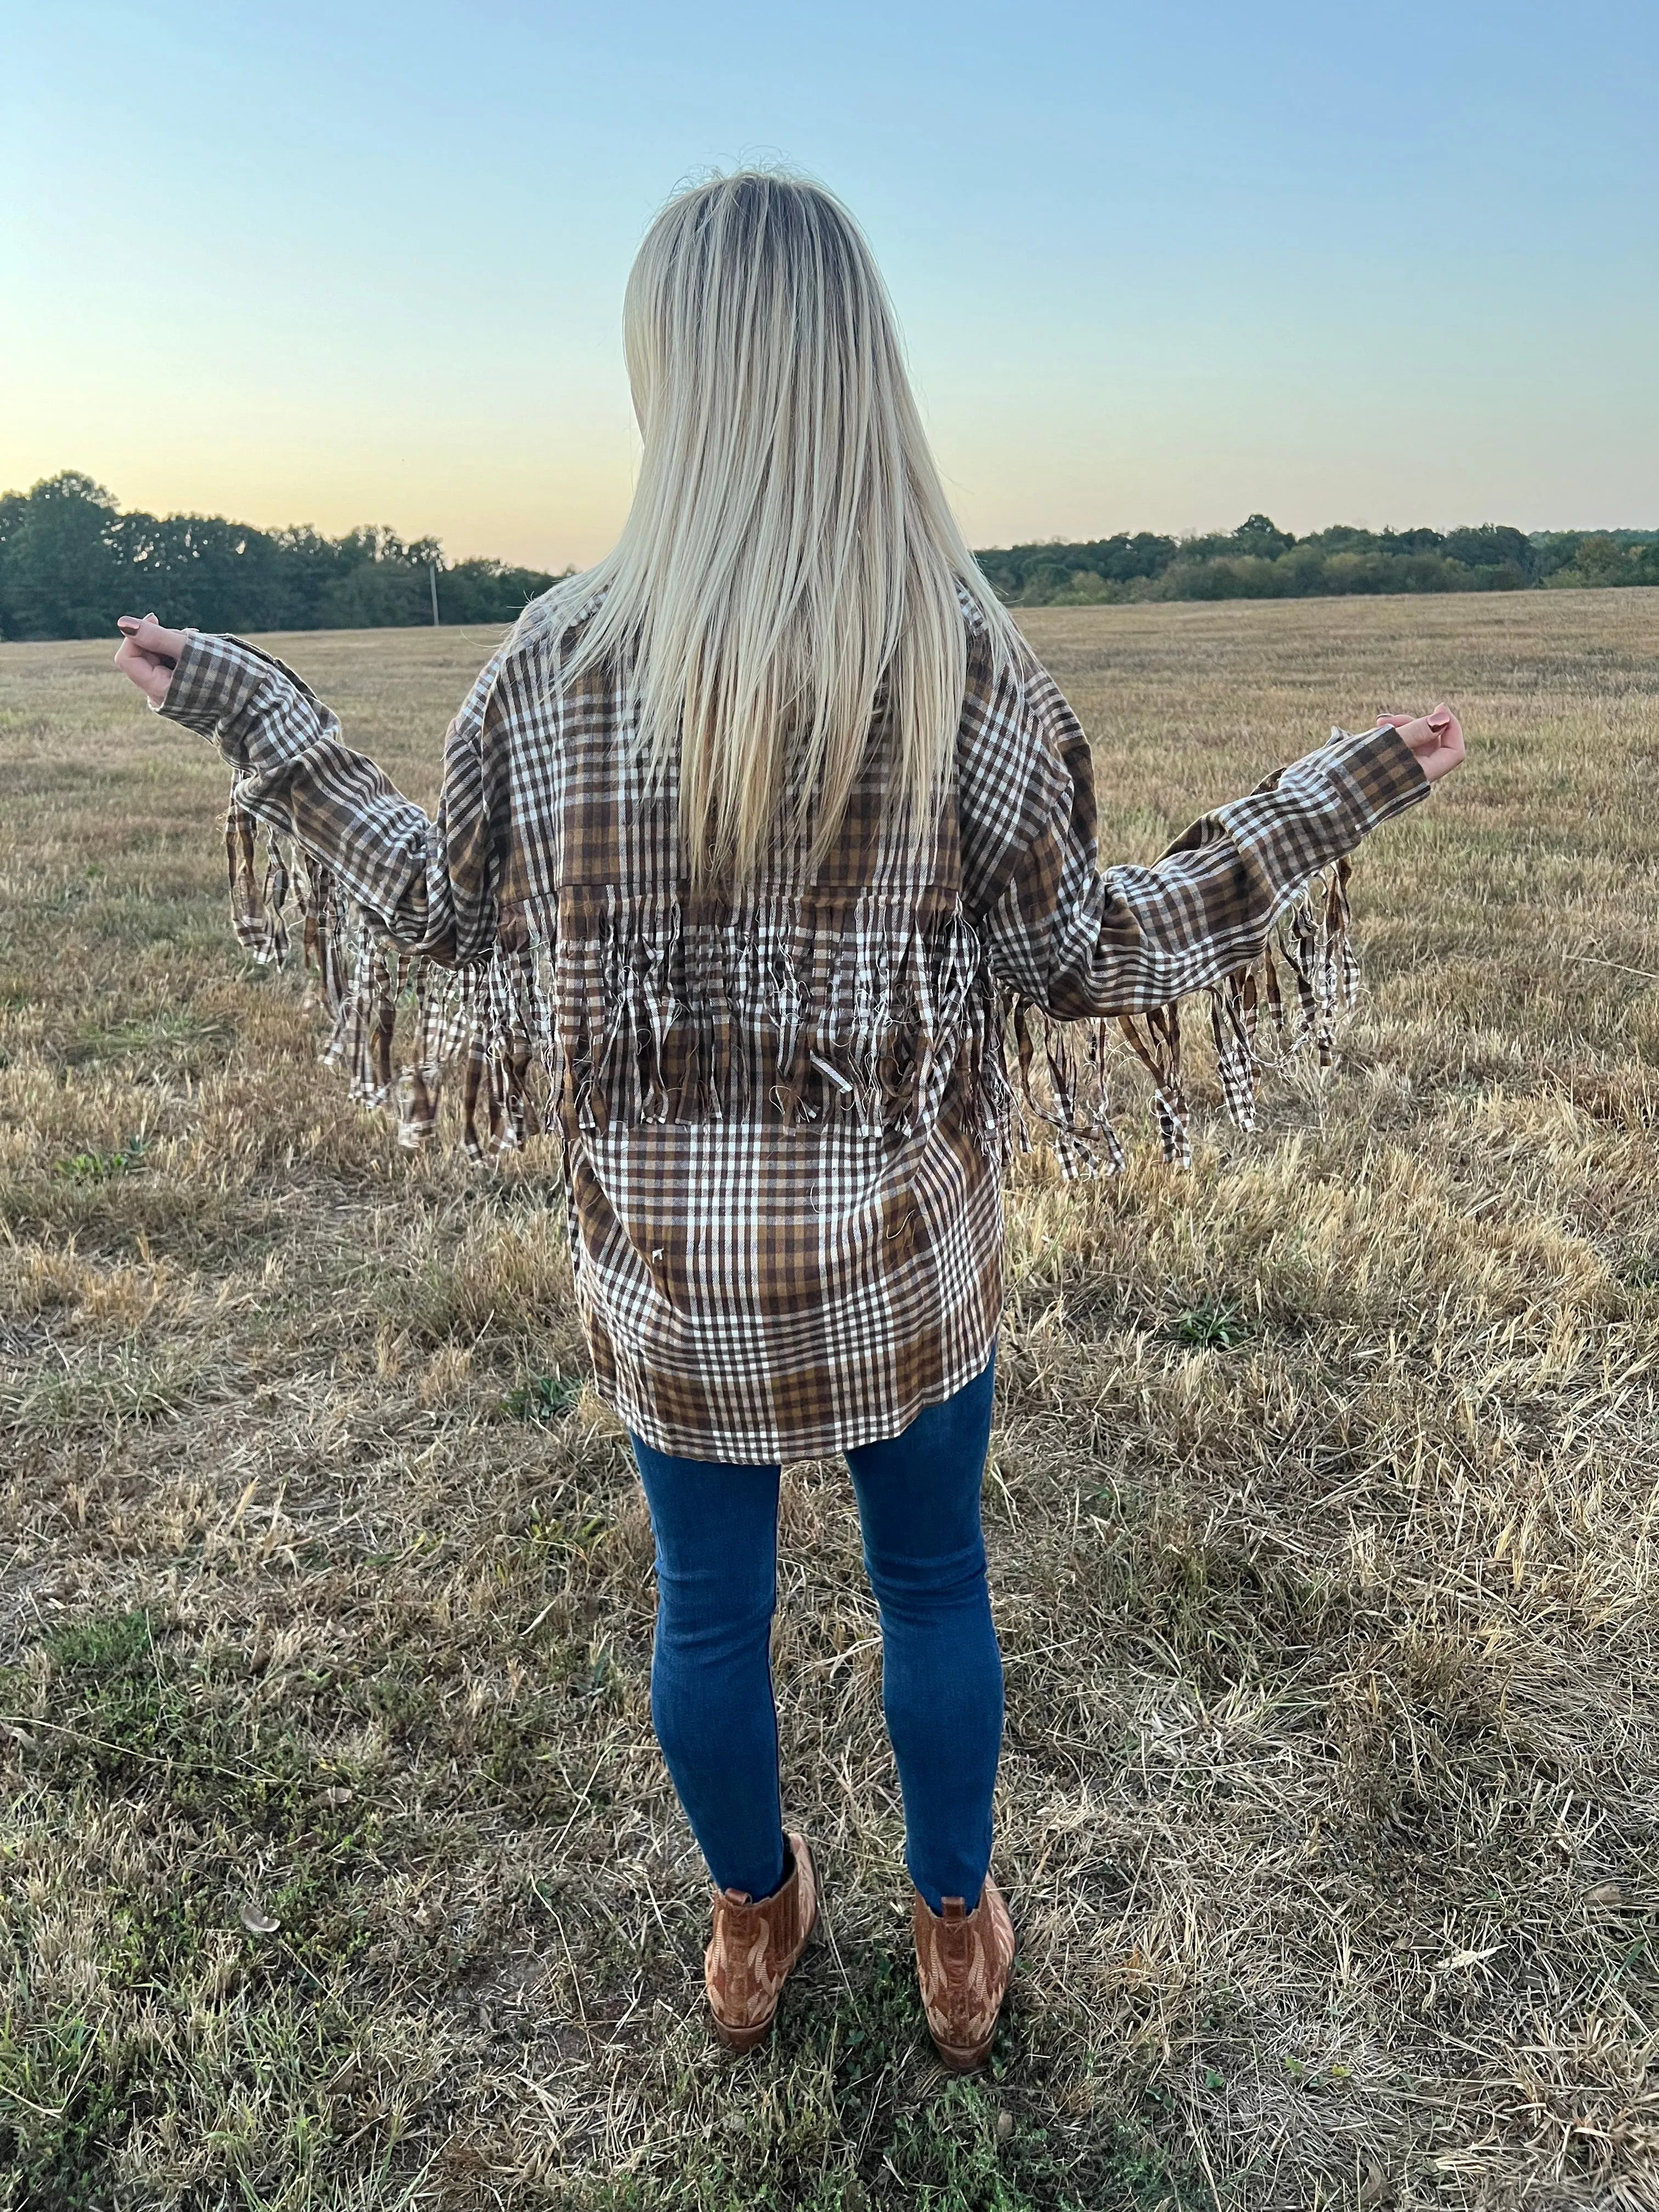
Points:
[[784, 1116]]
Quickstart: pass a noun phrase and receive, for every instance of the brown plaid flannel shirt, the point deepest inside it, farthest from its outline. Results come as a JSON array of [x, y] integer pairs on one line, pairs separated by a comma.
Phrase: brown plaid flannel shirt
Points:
[[784, 1115]]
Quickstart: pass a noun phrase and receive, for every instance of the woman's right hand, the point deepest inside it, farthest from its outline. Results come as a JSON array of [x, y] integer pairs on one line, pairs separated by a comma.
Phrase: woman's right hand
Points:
[[147, 655], [1436, 739]]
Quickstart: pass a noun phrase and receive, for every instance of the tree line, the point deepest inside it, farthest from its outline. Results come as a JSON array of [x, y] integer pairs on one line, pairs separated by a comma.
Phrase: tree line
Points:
[[71, 561], [1258, 561]]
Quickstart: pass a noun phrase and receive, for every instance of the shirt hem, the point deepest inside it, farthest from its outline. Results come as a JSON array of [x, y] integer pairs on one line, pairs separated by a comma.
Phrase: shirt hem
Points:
[[779, 1448]]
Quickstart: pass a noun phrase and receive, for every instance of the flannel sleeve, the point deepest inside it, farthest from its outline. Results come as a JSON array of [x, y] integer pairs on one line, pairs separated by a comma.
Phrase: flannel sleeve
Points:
[[1080, 940], [432, 885]]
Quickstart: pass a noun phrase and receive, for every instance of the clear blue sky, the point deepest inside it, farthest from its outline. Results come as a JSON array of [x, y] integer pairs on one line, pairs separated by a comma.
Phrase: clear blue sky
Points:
[[1157, 266]]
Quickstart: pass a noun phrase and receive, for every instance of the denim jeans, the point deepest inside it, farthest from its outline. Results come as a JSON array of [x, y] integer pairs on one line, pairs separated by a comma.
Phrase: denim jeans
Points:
[[716, 1529]]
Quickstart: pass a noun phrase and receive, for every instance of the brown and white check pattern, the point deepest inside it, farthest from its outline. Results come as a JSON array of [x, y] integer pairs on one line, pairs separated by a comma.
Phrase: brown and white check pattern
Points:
[[784, 1115]]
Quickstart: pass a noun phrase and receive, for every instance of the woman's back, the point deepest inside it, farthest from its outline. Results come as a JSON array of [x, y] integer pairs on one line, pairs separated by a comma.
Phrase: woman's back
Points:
[[783, 1107]]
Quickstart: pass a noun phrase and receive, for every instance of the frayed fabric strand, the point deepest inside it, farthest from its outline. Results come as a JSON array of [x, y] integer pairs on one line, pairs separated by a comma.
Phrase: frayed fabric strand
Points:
[[1305, 981]]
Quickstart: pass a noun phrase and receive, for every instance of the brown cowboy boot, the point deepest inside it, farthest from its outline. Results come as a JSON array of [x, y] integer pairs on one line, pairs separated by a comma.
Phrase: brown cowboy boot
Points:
[[963, 1960], [753, 1947]]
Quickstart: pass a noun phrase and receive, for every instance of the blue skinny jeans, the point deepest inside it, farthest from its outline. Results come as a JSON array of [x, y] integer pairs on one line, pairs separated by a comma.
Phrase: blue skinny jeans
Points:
[[716, 1529]]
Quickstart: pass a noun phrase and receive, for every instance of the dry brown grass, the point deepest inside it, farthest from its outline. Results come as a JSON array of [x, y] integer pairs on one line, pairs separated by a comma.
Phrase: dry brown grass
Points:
[[1323, 1508]]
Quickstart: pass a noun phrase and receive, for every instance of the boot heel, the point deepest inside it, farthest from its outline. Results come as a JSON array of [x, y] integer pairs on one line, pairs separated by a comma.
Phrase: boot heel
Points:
[[753, 1948], [963, 1964]]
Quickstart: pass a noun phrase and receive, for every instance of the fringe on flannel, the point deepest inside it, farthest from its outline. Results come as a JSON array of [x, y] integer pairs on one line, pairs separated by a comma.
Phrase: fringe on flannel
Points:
[[1305, 980], [916, 1025]]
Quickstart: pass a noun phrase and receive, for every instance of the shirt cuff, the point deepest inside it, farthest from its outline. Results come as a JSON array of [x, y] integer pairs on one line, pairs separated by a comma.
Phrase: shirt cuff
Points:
[[1378, 776], [258, 712]]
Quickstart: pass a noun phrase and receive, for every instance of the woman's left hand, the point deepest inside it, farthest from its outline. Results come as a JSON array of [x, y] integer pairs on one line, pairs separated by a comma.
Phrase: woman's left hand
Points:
[[147, 655], [1436, 739]]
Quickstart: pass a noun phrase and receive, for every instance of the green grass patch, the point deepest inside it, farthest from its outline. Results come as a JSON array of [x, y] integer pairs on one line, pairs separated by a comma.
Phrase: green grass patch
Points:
[[1211, 1325], [102, 1167], [542, 1397]]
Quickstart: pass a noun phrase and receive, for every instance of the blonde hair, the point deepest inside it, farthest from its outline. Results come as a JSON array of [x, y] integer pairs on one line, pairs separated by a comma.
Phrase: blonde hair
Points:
[[790, 564]]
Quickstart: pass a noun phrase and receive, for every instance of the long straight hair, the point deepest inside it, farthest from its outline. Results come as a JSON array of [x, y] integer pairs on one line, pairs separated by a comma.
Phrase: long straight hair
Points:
[[790, 565]]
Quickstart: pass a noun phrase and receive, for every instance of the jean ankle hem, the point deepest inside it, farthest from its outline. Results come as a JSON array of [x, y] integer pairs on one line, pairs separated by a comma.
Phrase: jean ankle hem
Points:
[[785, 1868]]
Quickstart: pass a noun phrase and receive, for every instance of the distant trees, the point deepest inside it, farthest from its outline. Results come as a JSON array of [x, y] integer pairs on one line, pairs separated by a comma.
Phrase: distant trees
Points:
[[60, 566], [70, 561], [1602, 557], [1259, 561]]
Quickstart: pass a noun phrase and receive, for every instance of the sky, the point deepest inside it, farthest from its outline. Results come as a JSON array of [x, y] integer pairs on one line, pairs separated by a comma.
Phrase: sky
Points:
[[1158, 266]]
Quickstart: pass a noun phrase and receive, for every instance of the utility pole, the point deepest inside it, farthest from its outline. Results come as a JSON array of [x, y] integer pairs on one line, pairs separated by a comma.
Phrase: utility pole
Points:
[[432, 577]]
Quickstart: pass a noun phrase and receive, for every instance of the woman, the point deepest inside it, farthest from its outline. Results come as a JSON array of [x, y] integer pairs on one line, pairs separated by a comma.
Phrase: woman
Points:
[[749, 835]]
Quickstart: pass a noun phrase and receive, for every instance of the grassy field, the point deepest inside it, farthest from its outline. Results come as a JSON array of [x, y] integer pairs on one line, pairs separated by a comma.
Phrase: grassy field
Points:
[[338, 1868]]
